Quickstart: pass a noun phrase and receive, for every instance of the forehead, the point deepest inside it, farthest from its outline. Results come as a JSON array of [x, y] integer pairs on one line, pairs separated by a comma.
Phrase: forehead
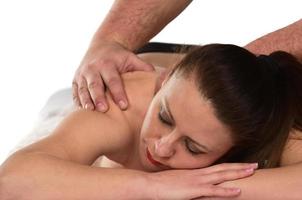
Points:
[[193, 114]]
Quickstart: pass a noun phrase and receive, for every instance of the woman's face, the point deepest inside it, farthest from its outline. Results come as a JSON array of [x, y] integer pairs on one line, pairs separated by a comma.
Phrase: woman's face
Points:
[[180, 130]]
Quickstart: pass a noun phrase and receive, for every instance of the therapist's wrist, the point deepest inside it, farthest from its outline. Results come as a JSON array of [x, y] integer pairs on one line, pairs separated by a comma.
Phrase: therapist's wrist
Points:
[[112, 38]]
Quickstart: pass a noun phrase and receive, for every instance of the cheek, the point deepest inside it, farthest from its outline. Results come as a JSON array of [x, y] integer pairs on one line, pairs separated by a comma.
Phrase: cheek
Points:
[[151, 127], [147, 124], [204, 162], [185, 160]]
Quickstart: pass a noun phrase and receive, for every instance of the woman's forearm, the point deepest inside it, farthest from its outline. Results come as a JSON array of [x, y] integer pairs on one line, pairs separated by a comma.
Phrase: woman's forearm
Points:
[[41, 176], [287, 39], [270, 184]]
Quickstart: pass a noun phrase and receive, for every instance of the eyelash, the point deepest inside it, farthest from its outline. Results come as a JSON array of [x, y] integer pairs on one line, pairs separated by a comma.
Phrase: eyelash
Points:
[[164, 121], [186, 140], [190, 150]]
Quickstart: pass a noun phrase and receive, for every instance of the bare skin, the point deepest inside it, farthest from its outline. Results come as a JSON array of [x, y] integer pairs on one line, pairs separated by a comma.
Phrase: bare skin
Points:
[[287, 39], [128, 26], [76, 143], [64, 158]]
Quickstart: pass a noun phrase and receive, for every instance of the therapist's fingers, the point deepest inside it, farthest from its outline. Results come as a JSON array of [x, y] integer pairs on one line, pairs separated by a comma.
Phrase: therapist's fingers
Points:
[[97, 91], [84, 95], [113, 81], [134, 63], [75, 95]]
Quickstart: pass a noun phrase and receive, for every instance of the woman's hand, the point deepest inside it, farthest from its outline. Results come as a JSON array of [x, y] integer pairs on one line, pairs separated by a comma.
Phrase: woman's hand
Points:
[[101, 68], [198, 183]]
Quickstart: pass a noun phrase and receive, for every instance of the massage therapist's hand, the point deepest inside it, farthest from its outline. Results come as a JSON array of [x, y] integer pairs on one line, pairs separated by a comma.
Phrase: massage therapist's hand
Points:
[[100, 69], [198, 183]]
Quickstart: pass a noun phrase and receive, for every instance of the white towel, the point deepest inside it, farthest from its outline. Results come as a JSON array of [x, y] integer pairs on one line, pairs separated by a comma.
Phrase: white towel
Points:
[[56, 108]]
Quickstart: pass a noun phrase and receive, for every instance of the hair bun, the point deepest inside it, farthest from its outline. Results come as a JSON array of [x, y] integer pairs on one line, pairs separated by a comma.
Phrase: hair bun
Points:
[[292, 67], [268, 60]]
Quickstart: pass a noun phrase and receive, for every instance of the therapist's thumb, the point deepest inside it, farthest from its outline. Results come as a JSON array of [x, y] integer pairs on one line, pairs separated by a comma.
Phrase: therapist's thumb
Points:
[[136, 64]]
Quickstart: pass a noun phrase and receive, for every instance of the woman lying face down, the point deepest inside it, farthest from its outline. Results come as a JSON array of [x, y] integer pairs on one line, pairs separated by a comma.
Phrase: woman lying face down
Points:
[[220, 104], [175, 134]]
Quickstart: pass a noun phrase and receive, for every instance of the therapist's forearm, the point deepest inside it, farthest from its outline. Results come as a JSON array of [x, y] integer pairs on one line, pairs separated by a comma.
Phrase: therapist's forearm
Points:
[[132, 23], [40, 176], [287, 39], [282, 183]]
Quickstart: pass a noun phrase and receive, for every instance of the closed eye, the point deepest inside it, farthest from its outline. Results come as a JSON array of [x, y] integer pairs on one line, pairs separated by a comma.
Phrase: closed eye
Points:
[[162, 116], [191, 148], [163, 120]]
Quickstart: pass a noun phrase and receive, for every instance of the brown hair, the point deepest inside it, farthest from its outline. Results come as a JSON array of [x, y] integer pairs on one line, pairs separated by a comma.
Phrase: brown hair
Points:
[[258, 98]]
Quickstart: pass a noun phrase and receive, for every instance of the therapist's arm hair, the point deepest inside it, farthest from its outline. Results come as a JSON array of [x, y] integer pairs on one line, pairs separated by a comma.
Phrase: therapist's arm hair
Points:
[[128, 25], [287, 39], [132, 23]]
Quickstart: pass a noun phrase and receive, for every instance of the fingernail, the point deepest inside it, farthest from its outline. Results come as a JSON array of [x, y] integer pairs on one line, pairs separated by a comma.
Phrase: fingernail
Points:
[[237, 190], [250, 170], [102, 107], [254, 165], [122, 104], [88, 106]]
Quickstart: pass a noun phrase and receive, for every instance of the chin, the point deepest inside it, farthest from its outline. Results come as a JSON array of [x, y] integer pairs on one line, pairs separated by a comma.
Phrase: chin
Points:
[[146, 166]]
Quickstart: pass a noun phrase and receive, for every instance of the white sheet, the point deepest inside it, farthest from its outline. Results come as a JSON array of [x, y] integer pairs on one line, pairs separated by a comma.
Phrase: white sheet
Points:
[[56, 108]]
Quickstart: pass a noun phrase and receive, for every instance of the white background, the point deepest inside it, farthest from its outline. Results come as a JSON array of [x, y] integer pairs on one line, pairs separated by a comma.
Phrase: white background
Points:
[[42, 43]]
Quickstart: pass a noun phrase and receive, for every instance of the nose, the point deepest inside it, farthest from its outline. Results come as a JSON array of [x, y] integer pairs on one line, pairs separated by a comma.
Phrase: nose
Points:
[[165, 146]]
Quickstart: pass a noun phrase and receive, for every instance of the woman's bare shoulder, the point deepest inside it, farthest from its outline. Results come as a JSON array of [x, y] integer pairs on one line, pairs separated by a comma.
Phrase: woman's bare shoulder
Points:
[[140, 89], [84, 135]]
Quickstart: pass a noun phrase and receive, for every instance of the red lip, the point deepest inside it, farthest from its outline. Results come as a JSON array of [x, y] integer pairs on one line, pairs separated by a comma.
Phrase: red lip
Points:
[[154, 162]]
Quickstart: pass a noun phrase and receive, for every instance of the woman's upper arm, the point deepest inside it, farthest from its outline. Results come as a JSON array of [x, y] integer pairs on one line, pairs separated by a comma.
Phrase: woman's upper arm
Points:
[[85, 135]]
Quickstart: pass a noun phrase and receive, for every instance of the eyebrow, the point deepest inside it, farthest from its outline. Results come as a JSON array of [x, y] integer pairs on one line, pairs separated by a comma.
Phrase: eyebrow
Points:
[[166, 105]]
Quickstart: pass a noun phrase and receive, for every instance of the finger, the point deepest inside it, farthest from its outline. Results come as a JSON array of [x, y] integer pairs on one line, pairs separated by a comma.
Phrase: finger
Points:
[[135, 63], [84, 95], [97, 91], [217, 191], [75, 95], [114, 82], [228, 175], [228, 166]]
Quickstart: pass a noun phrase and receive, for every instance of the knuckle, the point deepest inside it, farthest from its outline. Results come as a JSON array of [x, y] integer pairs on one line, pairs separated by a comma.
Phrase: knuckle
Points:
[[220, 191], [212, 190], [77, 102], [215, 190], [75, 98], [224, 176], [85, 101], [89, 66], [95, 84], [219, 177], [101, 63], [239, 174], [114, 81], [82, 90], [74, 83], [100, 98]]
